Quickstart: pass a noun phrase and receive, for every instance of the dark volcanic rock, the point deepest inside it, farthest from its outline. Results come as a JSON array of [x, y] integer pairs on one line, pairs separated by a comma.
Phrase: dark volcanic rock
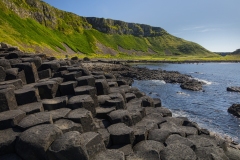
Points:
[[233, 89], [192, 85], [67, 125], [235, 110], [9, 119], [7, 99], [34, 142]]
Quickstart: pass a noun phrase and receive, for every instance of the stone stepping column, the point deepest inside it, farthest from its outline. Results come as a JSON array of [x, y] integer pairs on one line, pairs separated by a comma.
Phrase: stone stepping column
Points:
[[84, 117], [120, 116], [121, 134], [89, 90], [30, 71], [2, 74], [102, 87], [27, 95], [55, 103], [34, 142], [72, 76], [45, 74], [9, 119], [7, 99], [67, 88], [47, 90], [17, 83], [32, 108], [82, 101], [67, 125], [15, 73], [86, 81]]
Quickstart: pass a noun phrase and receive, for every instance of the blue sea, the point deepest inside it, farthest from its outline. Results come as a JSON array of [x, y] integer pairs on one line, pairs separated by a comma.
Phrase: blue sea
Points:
[[208, 108]]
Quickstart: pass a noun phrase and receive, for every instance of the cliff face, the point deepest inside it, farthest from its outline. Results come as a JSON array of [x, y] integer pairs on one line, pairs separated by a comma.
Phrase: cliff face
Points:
[[28, 23], [120, 27]]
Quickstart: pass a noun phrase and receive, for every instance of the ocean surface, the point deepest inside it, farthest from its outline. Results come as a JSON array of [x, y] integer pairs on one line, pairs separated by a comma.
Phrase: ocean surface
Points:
[[208, 108]]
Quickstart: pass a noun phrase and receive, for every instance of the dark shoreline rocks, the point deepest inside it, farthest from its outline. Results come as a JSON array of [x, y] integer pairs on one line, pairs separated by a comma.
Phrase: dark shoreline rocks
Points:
[[96, 115], [235, 110], [130, 73], [233, 89]]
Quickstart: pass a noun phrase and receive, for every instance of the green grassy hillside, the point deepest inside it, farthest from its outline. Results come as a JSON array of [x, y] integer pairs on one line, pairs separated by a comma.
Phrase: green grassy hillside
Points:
[[34, 26]]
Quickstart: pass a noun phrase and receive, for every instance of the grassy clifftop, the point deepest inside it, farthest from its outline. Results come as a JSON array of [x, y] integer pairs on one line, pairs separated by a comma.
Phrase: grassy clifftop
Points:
[[33, 26]]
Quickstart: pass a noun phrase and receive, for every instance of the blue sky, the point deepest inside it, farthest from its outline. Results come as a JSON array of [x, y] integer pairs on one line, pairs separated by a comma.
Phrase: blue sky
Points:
[[214, 24]]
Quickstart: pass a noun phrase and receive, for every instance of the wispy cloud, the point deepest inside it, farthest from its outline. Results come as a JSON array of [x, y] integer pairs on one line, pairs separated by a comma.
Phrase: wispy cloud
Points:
[[200, 29]]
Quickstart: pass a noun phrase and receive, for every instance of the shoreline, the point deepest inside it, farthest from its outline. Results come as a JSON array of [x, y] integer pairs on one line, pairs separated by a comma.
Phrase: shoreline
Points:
[[67, 108]]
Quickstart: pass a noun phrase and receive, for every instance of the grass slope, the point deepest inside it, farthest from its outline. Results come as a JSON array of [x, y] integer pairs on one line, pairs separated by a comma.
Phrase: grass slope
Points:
[[26, 33]]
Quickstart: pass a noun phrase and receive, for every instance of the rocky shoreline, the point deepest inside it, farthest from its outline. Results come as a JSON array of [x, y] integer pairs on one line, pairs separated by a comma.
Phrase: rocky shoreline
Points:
[[62, 109]]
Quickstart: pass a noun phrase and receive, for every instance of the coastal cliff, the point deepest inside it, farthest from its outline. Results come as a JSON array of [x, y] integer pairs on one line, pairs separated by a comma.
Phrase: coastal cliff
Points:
[[25, 23]]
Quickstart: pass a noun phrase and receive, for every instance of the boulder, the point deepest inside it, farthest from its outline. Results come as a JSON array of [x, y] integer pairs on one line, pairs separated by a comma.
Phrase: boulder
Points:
[[55, 103], [157, 102], [177, 151], [34, 142], [82, 101], [7, 99], [47, 89], [68, 146], [67, 125], [147, 101], [9, 119], [121, 134], [84, 117], [7, 140], [32, 108], [27, 95], [235, 110]]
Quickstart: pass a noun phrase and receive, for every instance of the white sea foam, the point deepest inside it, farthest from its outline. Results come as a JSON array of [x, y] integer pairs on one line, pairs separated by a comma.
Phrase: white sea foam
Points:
[[159, 81], [204, 81]]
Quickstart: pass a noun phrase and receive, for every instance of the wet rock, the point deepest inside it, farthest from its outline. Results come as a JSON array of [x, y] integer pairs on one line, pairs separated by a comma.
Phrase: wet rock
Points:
[[121, 134], [177, 151], [235, 110], [9, 119], [233, 89], [7, 99], [192, 85], [34, 142], [67, 125], [68, 146]]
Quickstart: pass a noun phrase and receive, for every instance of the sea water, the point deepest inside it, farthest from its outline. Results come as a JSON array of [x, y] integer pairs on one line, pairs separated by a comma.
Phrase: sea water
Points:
[[209, 107]]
